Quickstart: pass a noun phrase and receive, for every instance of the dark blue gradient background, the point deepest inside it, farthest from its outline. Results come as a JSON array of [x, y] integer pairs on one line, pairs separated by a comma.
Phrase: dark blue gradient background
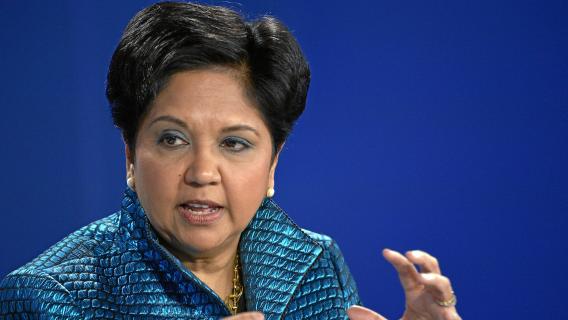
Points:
[[439, 125]]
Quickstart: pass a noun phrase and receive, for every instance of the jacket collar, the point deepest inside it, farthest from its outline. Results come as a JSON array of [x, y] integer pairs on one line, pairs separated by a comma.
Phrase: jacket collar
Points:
[[275, 254]]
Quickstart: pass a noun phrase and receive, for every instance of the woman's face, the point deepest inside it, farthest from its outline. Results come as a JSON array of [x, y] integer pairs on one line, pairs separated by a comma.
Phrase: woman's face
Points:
[[203, 162]]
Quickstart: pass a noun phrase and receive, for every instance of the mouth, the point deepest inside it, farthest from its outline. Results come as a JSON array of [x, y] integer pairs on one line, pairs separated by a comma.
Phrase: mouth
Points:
[[200, 212]]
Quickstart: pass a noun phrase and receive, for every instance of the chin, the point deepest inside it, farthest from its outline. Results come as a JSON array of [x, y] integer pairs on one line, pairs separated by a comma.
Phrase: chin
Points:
[[202, 242]]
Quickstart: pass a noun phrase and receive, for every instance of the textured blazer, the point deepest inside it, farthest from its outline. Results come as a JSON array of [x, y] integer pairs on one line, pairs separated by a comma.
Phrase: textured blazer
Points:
[[115, 268]]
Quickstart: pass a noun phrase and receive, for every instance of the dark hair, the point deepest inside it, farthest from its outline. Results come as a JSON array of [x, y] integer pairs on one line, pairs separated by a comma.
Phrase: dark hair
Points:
[[170, 37]]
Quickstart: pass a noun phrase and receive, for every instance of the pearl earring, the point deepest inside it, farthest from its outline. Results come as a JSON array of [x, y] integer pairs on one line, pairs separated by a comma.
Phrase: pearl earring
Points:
[[130, 177], [270, 192], [130, 183]]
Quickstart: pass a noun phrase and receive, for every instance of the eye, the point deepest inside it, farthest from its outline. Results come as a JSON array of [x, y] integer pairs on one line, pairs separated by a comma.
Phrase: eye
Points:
[[235, 144], [171, 140]]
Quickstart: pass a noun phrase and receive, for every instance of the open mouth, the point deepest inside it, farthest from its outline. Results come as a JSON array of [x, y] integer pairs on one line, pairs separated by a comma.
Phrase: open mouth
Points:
[[200, 212], [196, 208]]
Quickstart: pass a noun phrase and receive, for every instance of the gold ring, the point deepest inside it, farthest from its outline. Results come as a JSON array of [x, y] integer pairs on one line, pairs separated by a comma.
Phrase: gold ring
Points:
[[448, 303]]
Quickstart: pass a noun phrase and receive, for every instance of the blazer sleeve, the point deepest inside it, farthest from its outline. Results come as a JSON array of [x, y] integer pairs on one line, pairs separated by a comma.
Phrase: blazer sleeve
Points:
[[350, 292], [32, 294]]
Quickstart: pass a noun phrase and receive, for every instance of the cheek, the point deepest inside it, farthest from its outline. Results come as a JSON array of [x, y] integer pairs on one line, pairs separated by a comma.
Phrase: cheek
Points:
[[155, 182], [245, 191]]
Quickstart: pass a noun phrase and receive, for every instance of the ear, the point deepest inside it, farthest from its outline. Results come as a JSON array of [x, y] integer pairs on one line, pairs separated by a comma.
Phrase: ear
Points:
[[129, 155], [273, 167]]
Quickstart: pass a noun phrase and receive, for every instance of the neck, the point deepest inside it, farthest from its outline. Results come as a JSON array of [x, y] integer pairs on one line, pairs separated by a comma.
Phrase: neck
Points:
[[216, 270]]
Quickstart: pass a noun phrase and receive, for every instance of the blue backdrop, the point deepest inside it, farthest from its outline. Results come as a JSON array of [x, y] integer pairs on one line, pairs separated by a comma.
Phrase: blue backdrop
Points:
[[438, 125]]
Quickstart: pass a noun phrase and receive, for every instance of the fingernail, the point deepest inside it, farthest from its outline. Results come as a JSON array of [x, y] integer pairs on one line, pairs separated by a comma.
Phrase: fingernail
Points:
[[416, 254], [427, 276]]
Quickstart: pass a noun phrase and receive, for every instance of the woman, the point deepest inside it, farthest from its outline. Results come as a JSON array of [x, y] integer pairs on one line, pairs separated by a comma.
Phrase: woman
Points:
[[205, 102]]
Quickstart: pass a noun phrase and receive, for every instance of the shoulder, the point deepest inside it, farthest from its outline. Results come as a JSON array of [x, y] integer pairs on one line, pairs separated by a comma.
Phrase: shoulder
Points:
[[27, 292], [332, 262], [332, 253], [329, 245], [40, 286], [90, 240]]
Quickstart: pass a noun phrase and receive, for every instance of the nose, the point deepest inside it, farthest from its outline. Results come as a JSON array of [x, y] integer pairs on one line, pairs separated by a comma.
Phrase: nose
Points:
[[202, 170]]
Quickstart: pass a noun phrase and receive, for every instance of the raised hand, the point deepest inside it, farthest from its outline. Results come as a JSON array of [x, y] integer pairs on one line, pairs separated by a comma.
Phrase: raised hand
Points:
[[246, 316], [362, 313], [428, 293]]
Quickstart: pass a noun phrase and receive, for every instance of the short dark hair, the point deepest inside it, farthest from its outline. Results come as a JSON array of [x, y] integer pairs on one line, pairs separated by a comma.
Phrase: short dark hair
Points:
[[171, 37]]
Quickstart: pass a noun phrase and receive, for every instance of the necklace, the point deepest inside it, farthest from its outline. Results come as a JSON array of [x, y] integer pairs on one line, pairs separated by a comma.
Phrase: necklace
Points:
[[232, 301]]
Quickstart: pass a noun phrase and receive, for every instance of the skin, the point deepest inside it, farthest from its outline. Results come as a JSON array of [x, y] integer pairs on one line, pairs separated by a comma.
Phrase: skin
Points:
[[191, 145], [203, 139], [422, 288]]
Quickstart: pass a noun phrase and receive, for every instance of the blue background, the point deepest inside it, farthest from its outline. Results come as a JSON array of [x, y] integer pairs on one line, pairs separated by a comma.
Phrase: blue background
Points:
[[438, 125]]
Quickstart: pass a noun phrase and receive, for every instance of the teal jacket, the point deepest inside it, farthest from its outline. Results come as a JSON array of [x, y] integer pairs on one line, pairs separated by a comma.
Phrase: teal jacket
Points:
[[115, 268]]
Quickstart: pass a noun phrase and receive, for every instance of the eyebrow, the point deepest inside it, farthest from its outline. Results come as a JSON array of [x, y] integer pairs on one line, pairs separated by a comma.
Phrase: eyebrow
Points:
[[237, 127], [168, 119], [240, 127]]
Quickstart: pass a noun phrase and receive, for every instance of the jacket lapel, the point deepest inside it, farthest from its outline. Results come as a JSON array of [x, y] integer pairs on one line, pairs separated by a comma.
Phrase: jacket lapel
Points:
[[275, 254]]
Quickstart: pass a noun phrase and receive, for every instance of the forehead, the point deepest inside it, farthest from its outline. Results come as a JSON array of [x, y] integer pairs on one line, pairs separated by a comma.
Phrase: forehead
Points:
[[210, 96]]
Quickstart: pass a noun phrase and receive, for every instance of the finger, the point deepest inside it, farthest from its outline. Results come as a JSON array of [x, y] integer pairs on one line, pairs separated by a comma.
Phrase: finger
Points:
[[438, 285], [362, 313], [409, 276], [426, 262], [247, 316]]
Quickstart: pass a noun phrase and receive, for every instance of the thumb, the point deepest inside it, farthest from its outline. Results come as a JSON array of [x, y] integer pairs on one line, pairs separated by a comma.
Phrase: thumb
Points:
[[246, 316], [362, 313]]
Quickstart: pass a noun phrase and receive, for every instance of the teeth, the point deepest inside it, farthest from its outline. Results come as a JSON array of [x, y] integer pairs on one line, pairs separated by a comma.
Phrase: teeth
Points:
[[199, 209], [200, 206]]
